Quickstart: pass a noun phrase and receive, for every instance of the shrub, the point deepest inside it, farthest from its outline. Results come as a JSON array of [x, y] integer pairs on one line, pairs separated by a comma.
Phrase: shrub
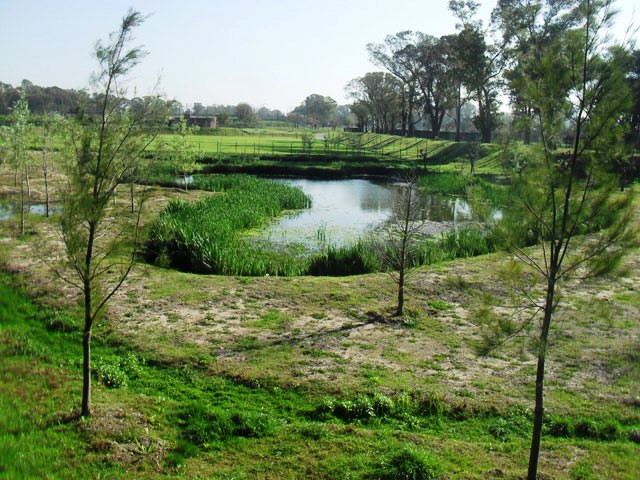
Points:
[[131, 364], [432, 405], [609, 432], [359, 409], [500, 429], [110, 374], [557, 427], [116, 373], [411, 464], [203, 425], [585, 429], [581, 471], [382, 405]]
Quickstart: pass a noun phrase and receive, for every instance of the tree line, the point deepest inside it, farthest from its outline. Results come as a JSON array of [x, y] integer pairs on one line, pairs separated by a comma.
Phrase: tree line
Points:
[[431, 80]]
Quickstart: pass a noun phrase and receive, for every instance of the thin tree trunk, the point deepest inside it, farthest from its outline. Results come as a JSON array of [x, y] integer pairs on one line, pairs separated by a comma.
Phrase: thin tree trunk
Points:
[[86, 373], [22, 204], [538, 415], [403, 251], [86, 350], [400, 308], [15, 173], [404, 114], [26, 171], [88, 322], [458, 112], [44, 172]]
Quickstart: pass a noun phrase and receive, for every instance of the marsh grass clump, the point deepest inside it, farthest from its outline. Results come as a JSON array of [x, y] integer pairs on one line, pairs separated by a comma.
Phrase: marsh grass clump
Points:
[[355, 259], [446, 183], [207, 236], [456, 243]]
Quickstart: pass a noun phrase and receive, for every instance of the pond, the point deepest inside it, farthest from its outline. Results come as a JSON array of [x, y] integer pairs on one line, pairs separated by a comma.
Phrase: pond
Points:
[[8, 210], [345, 210]]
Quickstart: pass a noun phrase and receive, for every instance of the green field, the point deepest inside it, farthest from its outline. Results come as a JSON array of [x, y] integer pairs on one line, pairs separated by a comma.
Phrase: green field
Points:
[[255, 144]]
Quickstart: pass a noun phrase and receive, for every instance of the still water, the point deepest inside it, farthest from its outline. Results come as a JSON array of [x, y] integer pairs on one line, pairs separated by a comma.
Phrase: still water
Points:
[[345, 210], [7, 210]]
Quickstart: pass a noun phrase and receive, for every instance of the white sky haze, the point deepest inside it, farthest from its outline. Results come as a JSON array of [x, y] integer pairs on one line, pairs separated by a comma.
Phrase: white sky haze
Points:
[[269, 53]]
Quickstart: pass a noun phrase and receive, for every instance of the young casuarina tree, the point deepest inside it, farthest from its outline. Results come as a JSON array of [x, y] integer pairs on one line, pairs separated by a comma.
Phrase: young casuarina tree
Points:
[[568, 199], [107, 149], [400, 235]]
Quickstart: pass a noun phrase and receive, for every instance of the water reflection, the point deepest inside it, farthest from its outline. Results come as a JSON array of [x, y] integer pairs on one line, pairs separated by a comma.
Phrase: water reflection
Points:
[[6, 211], [41, 208], [344, 210]]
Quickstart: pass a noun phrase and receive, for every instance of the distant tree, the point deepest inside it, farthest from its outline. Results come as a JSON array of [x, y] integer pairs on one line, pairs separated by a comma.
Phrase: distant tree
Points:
[[198, 109], [106, 151], [20, 125], [343, 116], [316, 109], [182, 155], [265, 113], [480, 65], [8, 97], [51, 124], [223, 118], [381, 94], [561, 195], [362, 111], [435, 80], [308, 140], [633, 78], [245, 114], [399, 55], [520, 43], [43, 99], [453, 52]]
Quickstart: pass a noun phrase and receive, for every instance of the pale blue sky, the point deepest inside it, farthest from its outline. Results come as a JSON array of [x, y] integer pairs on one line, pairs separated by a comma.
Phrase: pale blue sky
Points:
[[269, 53]]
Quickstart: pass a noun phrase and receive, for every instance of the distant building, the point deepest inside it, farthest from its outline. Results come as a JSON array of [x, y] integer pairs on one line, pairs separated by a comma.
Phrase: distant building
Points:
[[200, 121]]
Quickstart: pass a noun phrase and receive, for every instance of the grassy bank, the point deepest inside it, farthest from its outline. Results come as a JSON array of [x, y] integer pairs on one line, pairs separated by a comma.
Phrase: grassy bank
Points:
[[155, 418], [329, 153]]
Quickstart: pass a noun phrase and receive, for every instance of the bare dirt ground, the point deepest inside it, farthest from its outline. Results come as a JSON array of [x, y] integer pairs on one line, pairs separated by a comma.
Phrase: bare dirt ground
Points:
[[338, 333]]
